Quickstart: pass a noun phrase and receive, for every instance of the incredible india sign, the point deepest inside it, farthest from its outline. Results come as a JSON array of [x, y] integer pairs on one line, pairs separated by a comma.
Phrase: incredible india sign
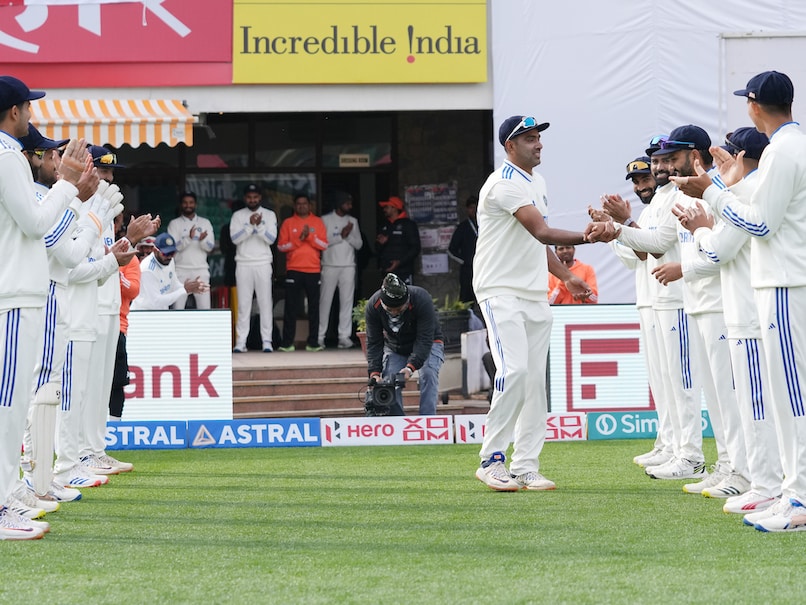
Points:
[[362, 41]]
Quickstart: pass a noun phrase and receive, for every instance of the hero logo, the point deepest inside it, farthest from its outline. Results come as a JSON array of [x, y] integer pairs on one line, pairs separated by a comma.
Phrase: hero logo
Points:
[[565, 427], [604, 368], [606, 424]]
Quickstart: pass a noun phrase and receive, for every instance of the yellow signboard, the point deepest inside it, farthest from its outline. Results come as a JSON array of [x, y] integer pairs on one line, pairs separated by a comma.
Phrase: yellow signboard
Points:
[[359, 41]]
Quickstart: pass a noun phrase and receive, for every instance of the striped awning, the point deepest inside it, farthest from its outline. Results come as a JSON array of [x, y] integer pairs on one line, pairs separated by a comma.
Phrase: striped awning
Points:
[[115, 121]]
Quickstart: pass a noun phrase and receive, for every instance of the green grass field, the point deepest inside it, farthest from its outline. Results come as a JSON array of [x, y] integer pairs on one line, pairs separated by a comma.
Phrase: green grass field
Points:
[[397, 525]]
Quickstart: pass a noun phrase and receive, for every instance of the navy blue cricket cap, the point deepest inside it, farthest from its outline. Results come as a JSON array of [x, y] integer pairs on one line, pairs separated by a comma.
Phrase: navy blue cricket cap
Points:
[[103, 158], [747, 139], [251, 188], [36, 140], [684, 137], [769, 88], [514, 126], [165, 243], [14, 91], [640, 165]]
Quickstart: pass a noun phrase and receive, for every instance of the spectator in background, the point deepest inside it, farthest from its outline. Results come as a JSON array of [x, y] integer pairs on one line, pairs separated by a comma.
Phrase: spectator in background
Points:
[[338, 268], [302, 238], [558, 292], [159, 285], [144, 247], [398, 240], [463, 248], [194, 241], [253, 230]]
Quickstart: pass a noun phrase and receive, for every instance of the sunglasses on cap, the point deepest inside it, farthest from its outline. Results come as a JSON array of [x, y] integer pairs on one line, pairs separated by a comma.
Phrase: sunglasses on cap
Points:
[[655, 141], [734, 148], [40, 153], [637, 165], [108, 158], [526, 122], [670, 144]]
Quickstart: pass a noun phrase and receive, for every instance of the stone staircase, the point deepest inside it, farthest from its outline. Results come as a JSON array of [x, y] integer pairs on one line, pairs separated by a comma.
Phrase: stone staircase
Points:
[[334, 389]]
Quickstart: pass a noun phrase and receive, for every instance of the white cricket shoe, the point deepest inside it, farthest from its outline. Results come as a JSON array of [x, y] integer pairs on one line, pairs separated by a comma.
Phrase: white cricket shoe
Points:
[[749, 502], [28, 498], [654, 458], [22, 509], [123, 467], [16, 527], [534, 481], [752, 518], [789, 518], [679, 468], [494, 474], [95, 466], [79, 476], [56, 492], [717, 474], [732, 485]]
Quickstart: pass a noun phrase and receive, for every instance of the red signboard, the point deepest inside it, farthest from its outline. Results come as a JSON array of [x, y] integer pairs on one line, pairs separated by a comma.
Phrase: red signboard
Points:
[[107, 43]]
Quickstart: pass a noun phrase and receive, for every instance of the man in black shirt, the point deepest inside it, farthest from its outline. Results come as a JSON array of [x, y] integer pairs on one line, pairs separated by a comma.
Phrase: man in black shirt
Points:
[[403, 335], [398, 240]]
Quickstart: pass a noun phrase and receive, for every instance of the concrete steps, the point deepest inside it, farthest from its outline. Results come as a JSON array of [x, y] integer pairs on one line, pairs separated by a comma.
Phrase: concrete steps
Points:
[[329, 386]]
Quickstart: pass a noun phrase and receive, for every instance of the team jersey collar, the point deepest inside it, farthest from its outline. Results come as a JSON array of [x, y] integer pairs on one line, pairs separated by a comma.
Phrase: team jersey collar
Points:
[[8, 141], [783, 126], [521, 171]]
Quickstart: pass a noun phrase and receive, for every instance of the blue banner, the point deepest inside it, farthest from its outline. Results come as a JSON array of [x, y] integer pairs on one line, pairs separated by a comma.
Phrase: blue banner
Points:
[[258, 432], [145, 435], [631, 425]]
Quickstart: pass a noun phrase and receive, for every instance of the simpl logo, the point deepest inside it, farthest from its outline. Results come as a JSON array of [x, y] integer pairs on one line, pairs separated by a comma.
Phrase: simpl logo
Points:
[[606, 424], [604, 368]]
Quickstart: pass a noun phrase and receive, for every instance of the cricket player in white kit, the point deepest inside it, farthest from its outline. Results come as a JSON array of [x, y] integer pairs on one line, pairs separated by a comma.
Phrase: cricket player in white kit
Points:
[[160, 286], [194, 241], [338, 268], [775, 217], [253, 230], [511, 269], [24, 281], [729, 248], [67, 244], [658, 236]]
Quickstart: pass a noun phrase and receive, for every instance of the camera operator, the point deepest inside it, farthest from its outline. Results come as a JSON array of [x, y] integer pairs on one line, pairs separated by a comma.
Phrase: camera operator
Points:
[[403, 336]]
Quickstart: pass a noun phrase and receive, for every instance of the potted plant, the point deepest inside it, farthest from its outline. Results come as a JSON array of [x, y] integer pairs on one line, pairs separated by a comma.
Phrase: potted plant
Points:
[[453, 320], [360, 321]]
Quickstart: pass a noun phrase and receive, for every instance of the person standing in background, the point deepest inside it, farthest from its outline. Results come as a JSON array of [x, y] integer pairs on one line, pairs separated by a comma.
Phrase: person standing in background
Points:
[[338, 268], [302, 238], [194, 241], [558, 293], [253, 230], [398, 240], [462, 249]]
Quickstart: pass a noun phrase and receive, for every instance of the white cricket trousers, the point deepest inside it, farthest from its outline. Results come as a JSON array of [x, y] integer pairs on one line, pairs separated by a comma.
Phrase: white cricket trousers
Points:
[[331, 278], [755, 408], [21, 340], [202, 299], [720, 394], [99, 386], [74, 390], [681, 361], [519, 332], [254, 280], [783, 329], [652, 344]]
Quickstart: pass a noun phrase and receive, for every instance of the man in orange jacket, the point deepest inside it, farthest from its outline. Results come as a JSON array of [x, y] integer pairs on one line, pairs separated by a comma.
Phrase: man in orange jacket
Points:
[[302, 238], [558, 293]]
